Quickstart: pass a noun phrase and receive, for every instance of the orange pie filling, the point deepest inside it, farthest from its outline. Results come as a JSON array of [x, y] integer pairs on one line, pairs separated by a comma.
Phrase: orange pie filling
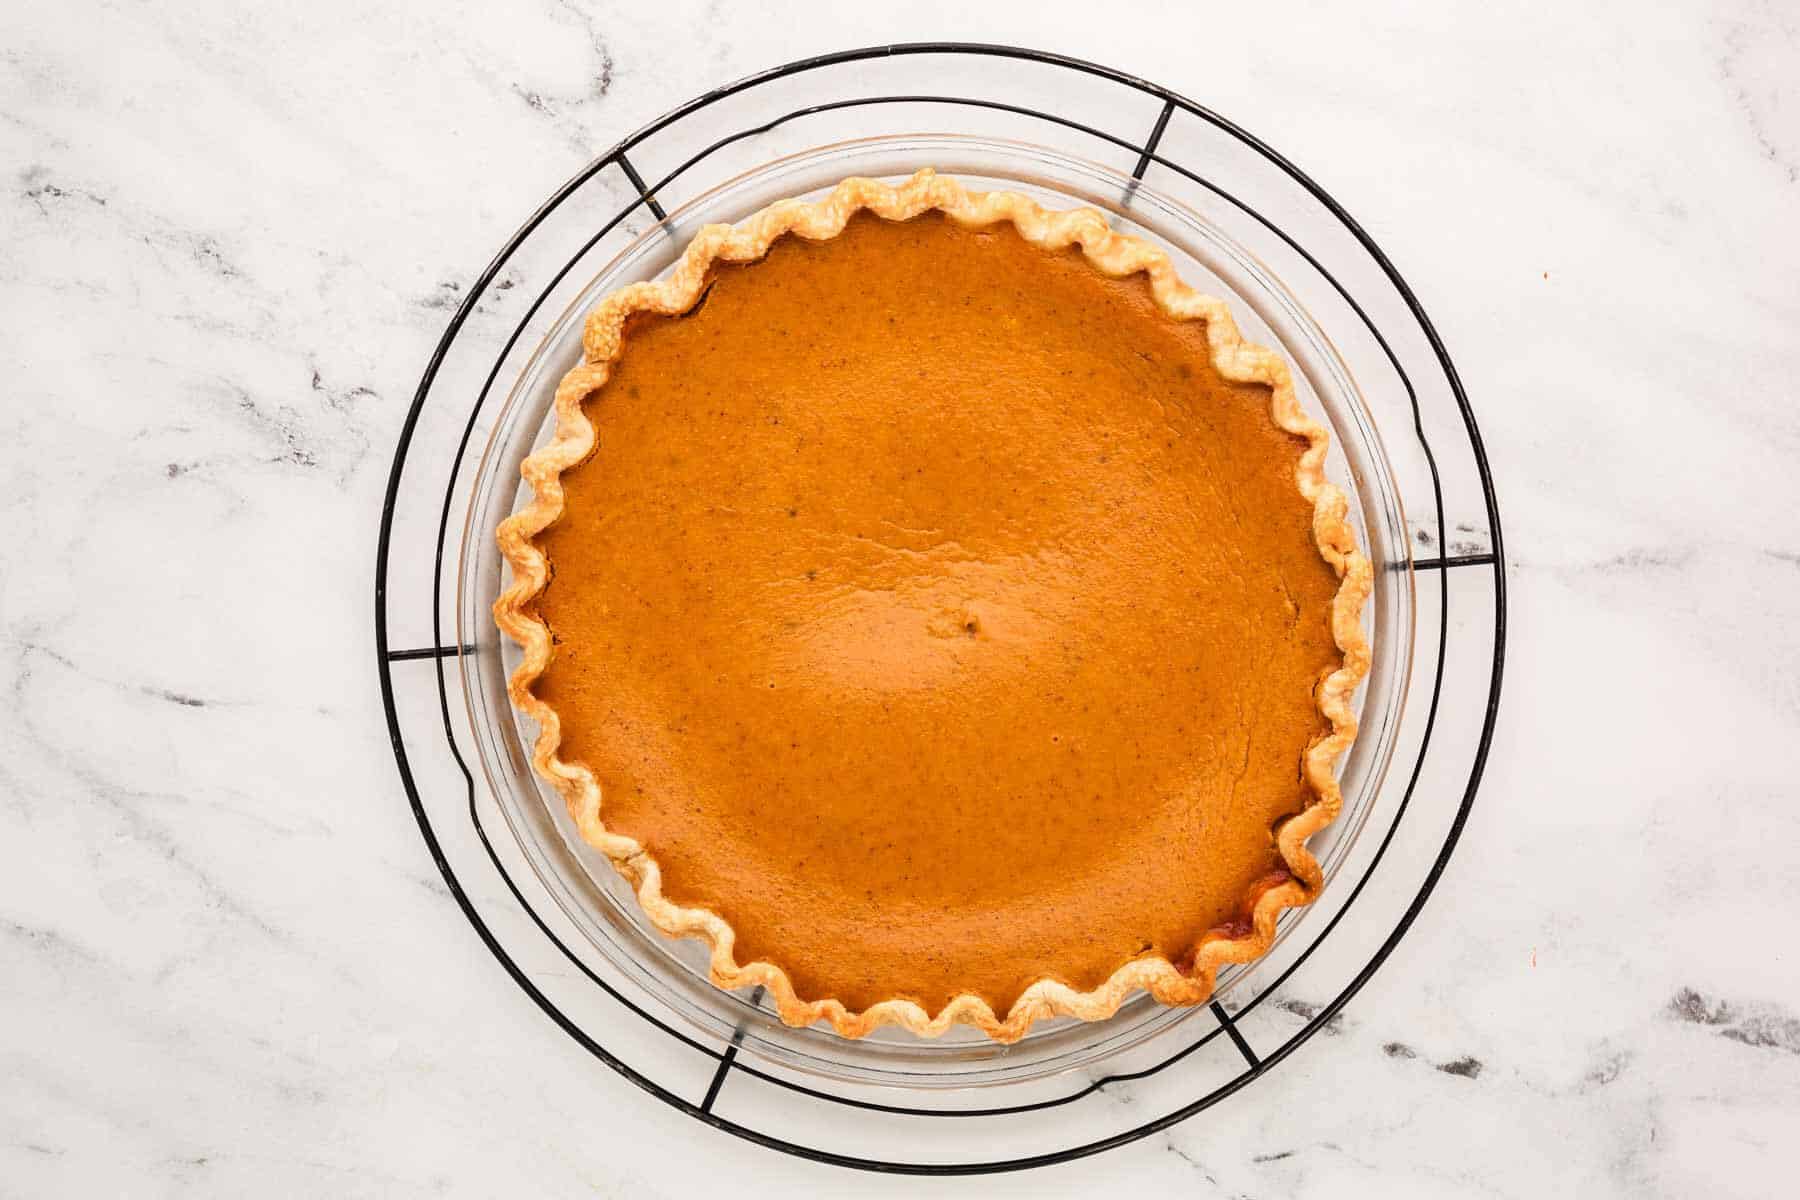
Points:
[[935, 613]]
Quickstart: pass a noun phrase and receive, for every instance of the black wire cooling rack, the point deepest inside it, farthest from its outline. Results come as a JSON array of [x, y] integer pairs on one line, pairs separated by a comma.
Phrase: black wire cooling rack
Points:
[[1458, 573]]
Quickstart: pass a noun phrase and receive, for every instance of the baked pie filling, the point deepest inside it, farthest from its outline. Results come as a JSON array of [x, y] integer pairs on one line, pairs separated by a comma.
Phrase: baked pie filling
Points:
[[941, 611]]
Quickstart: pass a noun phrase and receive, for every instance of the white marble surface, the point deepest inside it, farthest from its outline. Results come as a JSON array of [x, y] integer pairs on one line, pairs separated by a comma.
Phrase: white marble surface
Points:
[[226, 237]]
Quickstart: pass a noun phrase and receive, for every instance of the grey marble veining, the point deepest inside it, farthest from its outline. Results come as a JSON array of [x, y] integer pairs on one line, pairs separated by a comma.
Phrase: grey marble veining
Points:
[[229, 238]]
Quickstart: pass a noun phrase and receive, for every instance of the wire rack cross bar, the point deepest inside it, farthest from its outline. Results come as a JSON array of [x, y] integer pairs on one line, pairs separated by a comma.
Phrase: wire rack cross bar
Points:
[[1235, 1034], [428, 652], [637, 181], [1443, 564], [728, 1059], [1154, 140]]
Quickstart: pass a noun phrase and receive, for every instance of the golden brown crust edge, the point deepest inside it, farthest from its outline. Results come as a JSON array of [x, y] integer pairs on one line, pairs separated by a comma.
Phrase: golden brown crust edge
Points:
[[1113, 254]]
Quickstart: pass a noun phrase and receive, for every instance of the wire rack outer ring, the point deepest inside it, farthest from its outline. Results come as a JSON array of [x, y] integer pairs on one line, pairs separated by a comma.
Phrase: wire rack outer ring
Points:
[[438, 652]]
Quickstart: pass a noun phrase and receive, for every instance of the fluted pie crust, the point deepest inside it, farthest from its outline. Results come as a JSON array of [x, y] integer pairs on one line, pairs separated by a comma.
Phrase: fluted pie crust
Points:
[[1187, 978]]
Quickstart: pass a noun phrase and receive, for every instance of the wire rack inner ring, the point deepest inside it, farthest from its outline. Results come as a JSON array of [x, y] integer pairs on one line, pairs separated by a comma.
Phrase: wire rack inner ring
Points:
[[1147, 134]]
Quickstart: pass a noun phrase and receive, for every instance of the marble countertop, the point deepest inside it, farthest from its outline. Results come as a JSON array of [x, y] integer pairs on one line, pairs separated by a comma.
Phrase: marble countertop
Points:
[[231, 237]]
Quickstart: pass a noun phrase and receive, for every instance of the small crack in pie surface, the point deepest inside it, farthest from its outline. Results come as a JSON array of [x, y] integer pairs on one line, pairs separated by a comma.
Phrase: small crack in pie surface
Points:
[[936, 615]]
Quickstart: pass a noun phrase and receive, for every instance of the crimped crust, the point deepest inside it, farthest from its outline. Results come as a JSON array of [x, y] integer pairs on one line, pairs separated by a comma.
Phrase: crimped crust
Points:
[[1111, 253]]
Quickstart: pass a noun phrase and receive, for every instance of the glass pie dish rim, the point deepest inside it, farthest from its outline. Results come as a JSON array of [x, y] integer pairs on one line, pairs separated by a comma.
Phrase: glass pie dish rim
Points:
[[563, 866]]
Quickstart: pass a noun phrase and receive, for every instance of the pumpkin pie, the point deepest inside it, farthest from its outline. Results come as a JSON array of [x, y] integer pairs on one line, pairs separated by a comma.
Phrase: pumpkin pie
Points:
[[935, 606]]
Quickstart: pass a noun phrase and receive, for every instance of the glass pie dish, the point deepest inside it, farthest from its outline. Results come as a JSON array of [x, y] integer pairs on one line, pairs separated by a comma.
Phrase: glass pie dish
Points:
[[583, 881]]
